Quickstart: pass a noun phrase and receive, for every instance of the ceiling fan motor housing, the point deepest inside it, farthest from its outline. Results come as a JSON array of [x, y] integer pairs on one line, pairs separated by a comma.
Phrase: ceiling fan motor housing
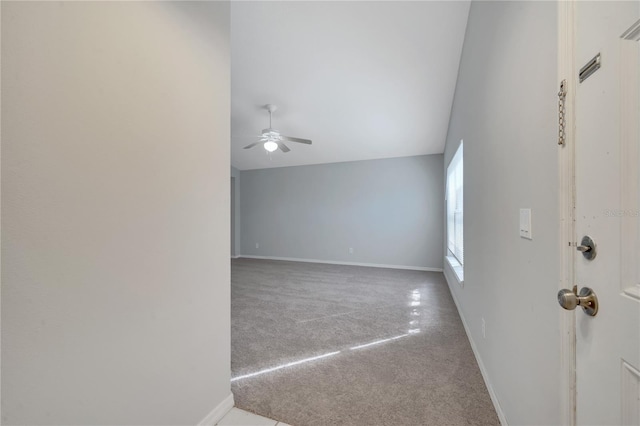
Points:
[[271, 135]]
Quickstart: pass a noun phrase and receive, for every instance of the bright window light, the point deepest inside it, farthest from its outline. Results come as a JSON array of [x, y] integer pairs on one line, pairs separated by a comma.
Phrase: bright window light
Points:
[[455, 209], [280, 367], [377, 342]]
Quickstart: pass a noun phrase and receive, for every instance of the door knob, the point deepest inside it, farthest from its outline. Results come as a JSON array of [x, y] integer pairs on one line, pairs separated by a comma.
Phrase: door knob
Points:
[[587, 300]]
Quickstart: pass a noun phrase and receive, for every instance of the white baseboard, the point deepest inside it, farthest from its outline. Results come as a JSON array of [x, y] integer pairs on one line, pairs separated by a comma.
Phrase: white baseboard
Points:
[[234, 257], [219, 412], [483, 370], [338, 262]]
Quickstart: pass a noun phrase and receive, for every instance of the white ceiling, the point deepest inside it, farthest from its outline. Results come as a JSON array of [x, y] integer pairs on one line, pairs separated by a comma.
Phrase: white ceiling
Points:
[[363, 80]]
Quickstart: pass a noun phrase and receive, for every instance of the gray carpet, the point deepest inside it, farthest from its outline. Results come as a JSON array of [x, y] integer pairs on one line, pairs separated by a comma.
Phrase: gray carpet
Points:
[[396, 352]]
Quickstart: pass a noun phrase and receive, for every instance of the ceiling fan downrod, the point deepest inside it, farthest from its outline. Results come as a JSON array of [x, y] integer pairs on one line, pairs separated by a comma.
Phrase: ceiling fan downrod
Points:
[[271, 108]]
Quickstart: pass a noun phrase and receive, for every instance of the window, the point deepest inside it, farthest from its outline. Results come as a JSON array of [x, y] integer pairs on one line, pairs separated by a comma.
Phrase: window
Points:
[[455, 213]]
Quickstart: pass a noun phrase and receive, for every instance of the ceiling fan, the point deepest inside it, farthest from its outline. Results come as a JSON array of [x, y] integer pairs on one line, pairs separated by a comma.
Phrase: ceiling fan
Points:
[[272, 139]]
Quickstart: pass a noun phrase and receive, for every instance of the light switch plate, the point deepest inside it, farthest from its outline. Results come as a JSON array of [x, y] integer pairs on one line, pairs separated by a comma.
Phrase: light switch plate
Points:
[[525, 224]]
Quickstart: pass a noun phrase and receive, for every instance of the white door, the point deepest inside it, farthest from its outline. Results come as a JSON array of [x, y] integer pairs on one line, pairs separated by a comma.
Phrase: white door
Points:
[[607, 117]]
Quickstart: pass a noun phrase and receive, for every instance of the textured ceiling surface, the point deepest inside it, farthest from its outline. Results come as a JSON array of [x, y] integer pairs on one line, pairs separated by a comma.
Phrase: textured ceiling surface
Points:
[[363, 80]]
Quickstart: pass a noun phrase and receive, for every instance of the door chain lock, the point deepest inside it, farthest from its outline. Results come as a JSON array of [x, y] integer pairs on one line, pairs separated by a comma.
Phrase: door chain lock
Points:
[[562, 110]]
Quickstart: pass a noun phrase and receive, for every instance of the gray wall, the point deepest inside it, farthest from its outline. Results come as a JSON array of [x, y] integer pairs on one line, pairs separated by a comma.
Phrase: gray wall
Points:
[[115, 212], [235, 211], [389, 211], [505, 110]]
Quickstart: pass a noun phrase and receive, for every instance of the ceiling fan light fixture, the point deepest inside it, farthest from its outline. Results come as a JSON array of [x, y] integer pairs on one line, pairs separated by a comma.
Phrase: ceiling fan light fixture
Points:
[[272, 139], [270, 146]]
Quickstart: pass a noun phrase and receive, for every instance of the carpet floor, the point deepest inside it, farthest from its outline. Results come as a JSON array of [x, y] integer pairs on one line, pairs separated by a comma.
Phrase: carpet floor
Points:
[[316, 344]]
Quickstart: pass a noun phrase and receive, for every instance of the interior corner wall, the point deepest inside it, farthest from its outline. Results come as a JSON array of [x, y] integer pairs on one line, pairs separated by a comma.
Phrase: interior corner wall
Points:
[[505, 110], [389, 211], [235, 174], [115, 212]]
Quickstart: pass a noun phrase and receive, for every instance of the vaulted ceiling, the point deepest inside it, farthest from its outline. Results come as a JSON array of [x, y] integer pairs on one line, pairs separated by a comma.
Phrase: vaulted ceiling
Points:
[[363, 80]]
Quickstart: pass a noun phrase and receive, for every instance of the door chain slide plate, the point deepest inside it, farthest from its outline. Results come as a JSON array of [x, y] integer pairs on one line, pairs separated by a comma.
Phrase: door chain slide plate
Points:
[[592, 66]]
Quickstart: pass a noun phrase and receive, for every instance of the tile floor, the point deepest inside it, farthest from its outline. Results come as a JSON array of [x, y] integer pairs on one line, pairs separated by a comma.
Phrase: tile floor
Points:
[[238, 417]]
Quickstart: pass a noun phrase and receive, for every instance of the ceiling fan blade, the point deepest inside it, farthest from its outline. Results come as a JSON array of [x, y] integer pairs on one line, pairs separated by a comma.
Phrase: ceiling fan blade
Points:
[[289, 138], [251, 145], [283, 147]]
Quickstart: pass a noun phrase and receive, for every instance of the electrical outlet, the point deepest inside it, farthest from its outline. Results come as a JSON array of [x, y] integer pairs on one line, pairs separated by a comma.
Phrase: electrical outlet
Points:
[[257, 245], [484, 329], [350, 250]]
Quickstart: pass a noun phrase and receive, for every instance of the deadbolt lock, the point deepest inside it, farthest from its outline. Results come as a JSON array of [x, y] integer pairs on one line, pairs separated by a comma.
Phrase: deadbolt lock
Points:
[[587, 300], [587, 247]]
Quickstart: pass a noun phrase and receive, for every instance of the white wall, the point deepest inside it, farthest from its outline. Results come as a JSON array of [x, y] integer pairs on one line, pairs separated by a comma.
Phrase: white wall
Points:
[[389, 211], [115, 212], [505, 109]]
